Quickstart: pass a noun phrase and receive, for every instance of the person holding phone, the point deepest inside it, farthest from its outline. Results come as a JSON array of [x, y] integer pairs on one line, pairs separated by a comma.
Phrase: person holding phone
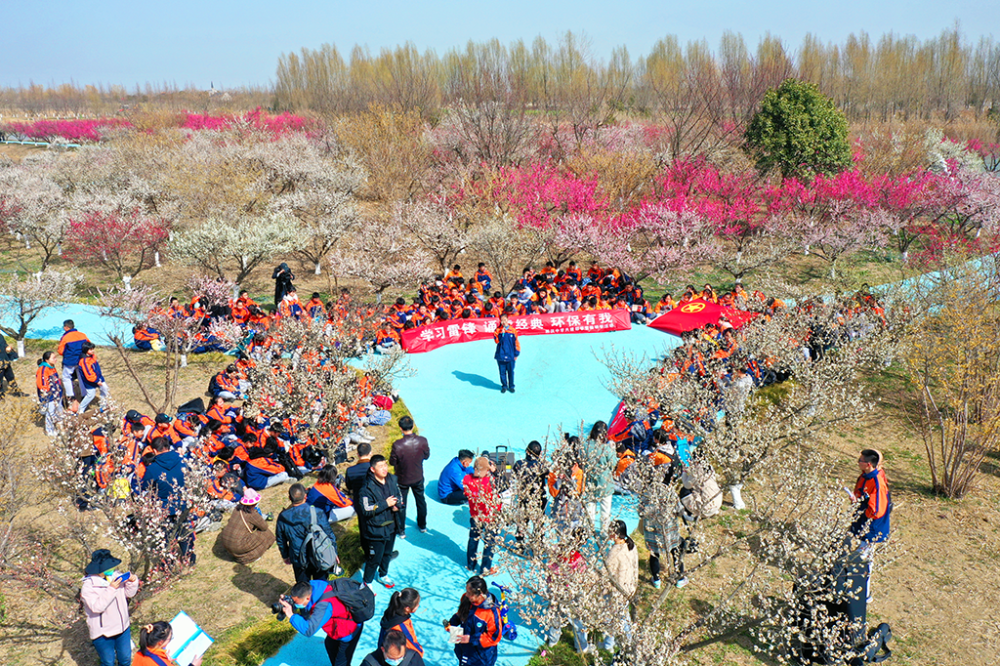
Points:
[[105, 595]]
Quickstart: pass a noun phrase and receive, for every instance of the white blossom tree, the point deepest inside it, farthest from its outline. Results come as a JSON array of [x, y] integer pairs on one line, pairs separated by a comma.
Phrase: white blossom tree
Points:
[[246, 242], [23, 301], [383, 255]]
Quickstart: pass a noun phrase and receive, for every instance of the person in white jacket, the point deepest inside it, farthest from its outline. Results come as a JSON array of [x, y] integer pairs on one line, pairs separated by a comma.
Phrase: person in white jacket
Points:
[[623, 568], [105, 596]]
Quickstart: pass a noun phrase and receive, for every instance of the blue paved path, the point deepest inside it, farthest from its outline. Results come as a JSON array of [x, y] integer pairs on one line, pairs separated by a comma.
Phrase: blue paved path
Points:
[[456, 402]]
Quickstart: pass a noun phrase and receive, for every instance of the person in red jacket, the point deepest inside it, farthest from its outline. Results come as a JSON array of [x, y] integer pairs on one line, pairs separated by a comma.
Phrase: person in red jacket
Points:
[[483, 509], [326, 611]]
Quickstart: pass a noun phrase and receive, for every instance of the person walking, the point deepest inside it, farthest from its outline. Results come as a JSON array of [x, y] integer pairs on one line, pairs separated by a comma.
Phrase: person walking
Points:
[[71, 349], [246, 536], [105, 594], [290, 531], [874, 508], [380, 513], [508, 349], [91, 378], [483, 509], [407, 457]]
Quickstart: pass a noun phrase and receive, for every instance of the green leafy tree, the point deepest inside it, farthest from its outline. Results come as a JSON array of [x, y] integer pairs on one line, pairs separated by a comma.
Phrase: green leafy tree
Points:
[[800, 131]]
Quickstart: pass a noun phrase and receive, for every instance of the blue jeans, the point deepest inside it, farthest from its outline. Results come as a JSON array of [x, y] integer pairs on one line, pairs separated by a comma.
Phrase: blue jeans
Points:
[[108, 647], [506, 374], [477, 533]]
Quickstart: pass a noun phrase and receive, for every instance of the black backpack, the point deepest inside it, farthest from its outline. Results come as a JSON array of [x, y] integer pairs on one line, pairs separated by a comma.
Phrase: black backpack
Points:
[[357, 597]]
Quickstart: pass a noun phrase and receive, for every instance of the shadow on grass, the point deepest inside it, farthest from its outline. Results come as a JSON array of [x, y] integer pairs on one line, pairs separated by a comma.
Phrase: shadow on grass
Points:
[[249, 644], [266, 587]]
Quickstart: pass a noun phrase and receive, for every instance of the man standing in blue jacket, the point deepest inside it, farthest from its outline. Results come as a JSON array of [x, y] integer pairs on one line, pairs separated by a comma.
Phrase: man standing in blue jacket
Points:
[[165, 474], [508, 349]]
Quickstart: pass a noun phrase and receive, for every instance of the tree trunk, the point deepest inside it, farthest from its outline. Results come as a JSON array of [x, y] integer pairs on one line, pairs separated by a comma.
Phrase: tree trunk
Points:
[[20, 348], [127, 279], [737, 492], [156, 259], [184, 360], [318, 270]]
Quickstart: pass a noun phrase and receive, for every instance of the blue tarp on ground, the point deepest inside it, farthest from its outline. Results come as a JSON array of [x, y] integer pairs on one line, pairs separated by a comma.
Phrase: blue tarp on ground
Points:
[[456, 402], [49, 325]]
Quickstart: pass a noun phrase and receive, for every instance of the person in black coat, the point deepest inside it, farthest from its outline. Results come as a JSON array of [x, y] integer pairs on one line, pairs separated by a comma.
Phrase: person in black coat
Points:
[[380, 516], [392, 652], [282, 277], [7, 380]]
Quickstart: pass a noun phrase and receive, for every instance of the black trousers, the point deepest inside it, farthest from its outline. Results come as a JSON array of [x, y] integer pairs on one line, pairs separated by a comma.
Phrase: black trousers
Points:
[[419, 499], [304, 574], [341, 652], [377, 557], [454, 498]]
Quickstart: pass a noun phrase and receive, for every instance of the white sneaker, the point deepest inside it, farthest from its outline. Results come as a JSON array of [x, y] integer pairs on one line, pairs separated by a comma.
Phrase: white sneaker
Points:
[[681, 582]]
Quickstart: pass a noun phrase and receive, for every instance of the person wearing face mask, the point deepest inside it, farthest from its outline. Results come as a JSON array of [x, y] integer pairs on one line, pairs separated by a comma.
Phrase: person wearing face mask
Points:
[[313, 606], [393, 651], [105, 595]]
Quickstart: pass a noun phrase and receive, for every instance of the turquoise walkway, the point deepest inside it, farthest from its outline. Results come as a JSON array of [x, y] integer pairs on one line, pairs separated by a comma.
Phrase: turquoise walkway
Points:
[[456, 402]]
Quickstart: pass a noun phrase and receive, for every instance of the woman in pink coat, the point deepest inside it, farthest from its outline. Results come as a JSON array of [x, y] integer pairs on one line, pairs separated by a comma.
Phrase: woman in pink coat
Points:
[[105, 596]]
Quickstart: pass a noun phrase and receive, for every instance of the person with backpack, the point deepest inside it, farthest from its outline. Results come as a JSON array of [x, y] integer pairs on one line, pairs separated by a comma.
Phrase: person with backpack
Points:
[[393, 651], [340, 609], [482, 628], [153, 641], [104, 595], [296, 530], [379, 519]]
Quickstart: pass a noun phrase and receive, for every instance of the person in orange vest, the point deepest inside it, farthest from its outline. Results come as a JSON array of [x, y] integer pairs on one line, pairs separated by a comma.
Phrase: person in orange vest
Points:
[[479, 616], [50, 392], [507, 351], [146, 338], [315, 308], [398, 616], [91, 377], [153, 641]]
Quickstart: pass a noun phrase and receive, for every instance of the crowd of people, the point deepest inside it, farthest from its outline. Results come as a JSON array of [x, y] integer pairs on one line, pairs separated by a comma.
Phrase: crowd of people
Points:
[[246, 449]]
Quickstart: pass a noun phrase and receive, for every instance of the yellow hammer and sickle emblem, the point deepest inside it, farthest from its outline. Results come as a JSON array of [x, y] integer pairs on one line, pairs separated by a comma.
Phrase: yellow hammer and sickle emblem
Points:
[[691, 308]]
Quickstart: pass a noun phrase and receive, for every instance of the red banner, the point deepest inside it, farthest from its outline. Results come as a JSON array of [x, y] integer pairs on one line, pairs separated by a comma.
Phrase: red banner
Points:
[[432, 336]]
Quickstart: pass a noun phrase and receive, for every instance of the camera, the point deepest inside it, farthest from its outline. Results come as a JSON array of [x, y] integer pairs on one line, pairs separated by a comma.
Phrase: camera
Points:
[[279, 612]]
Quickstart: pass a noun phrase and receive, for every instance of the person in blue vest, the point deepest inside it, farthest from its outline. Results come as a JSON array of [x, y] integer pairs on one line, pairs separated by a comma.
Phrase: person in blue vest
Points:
[[508, 349]]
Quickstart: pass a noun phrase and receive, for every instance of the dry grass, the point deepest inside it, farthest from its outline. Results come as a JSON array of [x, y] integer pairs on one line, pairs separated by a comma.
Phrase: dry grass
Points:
[[229, 600]]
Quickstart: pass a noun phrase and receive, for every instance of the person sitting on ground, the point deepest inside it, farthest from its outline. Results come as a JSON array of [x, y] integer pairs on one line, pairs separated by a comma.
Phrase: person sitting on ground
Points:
[[146, 338], [327, 496], [226, 384], [450, 489], [246, 536], [263, 469], [701, 496]]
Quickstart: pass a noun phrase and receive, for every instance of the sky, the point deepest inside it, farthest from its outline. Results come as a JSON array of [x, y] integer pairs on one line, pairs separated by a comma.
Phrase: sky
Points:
[[231, 44]]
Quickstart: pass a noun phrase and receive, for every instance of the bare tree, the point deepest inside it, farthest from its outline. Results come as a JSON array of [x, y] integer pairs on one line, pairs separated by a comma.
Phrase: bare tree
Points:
[[26, 299]]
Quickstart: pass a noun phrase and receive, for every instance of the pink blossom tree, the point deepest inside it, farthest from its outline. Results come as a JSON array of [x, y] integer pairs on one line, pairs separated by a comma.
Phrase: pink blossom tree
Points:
[[126, 243]]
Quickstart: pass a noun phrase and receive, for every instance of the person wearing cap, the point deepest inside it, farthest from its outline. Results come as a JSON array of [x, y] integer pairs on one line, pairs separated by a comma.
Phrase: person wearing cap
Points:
[[246, 536], [104, 597]]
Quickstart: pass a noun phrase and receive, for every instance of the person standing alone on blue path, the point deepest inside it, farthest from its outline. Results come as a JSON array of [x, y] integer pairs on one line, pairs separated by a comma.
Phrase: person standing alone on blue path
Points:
[[508, 349]]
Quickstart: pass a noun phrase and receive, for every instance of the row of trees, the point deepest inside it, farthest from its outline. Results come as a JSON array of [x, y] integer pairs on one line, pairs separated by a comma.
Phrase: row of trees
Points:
[[866, 77]]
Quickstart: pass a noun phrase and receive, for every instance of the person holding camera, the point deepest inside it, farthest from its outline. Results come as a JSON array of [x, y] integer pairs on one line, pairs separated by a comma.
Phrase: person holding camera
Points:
[[380, 519], [311, 606], [105, 596]]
